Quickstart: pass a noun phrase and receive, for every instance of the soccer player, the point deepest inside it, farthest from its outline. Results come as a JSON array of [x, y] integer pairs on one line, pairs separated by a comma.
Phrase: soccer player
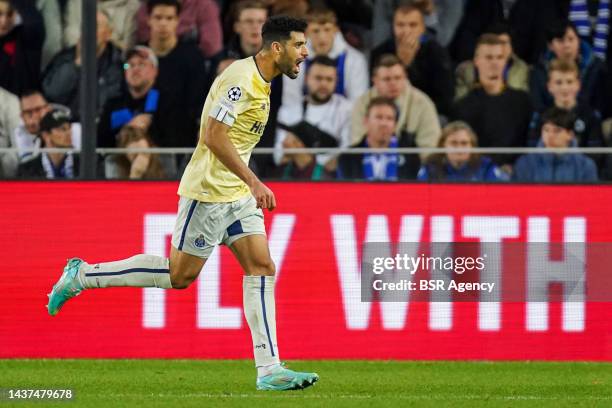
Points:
[[221, 202]]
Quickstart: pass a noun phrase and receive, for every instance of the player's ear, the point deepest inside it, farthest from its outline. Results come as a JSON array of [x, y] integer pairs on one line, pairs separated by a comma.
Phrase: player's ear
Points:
[[277, 47]]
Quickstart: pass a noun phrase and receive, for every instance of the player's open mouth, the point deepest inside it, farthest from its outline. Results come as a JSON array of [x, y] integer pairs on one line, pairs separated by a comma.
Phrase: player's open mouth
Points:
[[297, 64]]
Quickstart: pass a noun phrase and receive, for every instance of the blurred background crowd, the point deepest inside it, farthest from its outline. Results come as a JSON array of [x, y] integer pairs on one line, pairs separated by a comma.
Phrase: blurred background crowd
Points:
[[380, 74]]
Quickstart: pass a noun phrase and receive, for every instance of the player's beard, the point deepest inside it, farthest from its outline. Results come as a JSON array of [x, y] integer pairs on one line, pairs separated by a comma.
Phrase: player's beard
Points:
[[285, 65]]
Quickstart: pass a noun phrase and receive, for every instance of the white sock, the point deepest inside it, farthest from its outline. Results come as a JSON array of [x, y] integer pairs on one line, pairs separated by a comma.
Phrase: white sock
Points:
[[145, 271], [267, 370], [260, 312]]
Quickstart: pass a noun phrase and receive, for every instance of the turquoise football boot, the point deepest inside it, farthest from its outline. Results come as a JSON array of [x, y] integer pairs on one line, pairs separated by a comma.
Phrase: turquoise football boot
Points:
[[67, 287], [283, 379]]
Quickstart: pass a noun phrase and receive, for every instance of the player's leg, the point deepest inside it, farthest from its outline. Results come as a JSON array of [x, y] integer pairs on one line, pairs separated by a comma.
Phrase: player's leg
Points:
[[187, 257], [253, 255]]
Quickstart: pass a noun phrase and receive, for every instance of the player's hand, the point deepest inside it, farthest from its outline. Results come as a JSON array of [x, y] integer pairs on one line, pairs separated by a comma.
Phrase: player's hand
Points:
[[263, 196]]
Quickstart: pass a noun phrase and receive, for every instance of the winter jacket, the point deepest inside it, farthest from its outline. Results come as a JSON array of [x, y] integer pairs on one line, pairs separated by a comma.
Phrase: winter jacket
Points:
[[9, 121], [483, 170], [555, 167], [61, 80]]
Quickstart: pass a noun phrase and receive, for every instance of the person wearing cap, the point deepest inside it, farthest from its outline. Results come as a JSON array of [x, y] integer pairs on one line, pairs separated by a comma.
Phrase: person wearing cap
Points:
[[55, 132], [61, 79], [550, 167], [322, 119], [142, 105]]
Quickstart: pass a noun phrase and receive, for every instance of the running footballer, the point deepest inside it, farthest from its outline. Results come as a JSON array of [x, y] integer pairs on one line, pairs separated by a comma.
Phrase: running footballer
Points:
[[221, 202]]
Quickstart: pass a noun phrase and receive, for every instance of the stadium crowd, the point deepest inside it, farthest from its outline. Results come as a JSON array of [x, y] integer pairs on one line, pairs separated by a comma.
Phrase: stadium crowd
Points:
[[381, 73]]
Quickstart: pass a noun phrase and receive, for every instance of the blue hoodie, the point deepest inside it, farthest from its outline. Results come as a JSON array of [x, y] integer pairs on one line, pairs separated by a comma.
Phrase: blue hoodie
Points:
[[555, 167]]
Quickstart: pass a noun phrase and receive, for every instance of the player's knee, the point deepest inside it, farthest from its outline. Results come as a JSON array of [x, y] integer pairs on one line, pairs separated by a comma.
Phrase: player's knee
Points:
[[181, 279], [264, 267]]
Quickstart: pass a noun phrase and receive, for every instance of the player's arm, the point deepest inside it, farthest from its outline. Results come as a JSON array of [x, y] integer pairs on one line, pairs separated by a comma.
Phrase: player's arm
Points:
[[216, 138]]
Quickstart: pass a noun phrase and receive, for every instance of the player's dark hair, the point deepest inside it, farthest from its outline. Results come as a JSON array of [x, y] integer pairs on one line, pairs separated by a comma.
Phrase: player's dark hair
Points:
[[279, 28], [558, 30], [383, 101], [559, 117], [151, 4], [323, 60]]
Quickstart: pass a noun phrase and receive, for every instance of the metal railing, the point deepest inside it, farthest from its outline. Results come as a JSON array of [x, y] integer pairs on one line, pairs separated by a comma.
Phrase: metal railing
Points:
[[336, 150]]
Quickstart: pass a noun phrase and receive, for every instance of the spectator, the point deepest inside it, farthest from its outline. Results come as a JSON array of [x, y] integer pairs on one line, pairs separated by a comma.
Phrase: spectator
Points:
[[246, 40], [427, 63], [136, 165], [54, 37], [322, 119], [9, 120], [33, 107], [199, 22], [499, 115], [592, 21], [122, 19], [459, 166], [21, 37], [182, 73], [564, 44], [61, 80], [564, 86], [442, 19], [55, 132], [557, 133], [380, 123], [516, 71], [417, 124], [324, 38], [354, 19], [143, 106]]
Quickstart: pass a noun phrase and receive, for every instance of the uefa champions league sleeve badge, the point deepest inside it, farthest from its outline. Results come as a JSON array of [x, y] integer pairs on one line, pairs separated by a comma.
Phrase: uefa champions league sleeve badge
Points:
[[234, 93]]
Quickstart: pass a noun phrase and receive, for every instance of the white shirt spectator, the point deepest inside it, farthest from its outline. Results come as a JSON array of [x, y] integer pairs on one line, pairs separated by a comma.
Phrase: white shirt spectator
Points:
[[352, 73], [332, 117], [9, 120], [25, 141]]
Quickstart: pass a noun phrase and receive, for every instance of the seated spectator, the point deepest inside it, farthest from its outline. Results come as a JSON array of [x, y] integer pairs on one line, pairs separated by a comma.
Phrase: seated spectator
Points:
[[143, 105], [459, 166], [246, 41], [442, 18], [564, 44], [499, 115], [21, 38], [199, 22], [9, 120], [418, 120], [516, 71], [121, 15], [557, 133], [380, 123], [33, 107], [427, 63], [321, 120], [55, 132], [182, 73], [325, 39], [564, 86], [61, 81], [137, 165]]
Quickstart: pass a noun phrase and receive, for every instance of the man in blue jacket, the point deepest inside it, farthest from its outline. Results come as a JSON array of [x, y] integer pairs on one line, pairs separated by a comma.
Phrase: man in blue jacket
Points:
[[557, 133]]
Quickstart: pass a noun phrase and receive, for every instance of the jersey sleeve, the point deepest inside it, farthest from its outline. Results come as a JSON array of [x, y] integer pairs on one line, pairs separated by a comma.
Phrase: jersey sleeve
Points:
[[232, 97]]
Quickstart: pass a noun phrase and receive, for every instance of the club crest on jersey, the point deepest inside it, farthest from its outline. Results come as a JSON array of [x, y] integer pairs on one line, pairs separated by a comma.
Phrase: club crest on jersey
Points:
[[234, 93], [199, 241]]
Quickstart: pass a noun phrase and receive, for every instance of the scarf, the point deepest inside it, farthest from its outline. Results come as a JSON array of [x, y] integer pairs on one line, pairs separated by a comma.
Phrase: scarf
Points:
[[65, 171], [381, 166], [579, 15]]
